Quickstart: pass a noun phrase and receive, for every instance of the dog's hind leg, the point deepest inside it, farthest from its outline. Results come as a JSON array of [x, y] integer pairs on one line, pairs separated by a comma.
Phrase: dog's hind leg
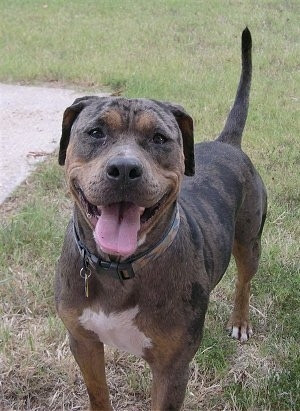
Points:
[[247, 255], [246, 258]]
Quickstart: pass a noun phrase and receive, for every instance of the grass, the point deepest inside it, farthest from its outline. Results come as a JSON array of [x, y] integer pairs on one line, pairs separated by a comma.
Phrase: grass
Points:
[[186, 52]]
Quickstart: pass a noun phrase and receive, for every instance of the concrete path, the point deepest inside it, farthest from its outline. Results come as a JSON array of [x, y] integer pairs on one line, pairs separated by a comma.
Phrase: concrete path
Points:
[[30, 127]]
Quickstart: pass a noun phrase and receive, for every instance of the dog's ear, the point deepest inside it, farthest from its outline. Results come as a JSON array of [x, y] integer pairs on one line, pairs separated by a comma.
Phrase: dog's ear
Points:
[[70, 115], [185, 123]]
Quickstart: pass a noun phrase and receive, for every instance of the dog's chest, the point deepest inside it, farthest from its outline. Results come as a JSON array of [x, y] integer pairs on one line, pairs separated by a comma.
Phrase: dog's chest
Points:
[[117, 330]]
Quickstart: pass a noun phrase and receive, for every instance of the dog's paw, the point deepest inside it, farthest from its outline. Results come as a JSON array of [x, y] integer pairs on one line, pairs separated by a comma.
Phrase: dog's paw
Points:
[[241, 332]]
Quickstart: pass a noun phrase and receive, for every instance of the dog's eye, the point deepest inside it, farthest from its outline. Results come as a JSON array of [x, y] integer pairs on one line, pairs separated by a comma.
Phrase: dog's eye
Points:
[[96, 133], [159, 138]]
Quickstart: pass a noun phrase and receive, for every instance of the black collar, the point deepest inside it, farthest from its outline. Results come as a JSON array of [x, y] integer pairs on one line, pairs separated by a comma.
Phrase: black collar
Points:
[[125, 270]]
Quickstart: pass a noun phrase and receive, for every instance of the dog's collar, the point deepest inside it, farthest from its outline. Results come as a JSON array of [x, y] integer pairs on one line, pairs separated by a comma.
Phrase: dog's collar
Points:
[[125, 269]]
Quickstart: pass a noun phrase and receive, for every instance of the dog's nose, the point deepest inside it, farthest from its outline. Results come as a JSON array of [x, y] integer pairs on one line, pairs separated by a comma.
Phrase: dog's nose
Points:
[[124, 170]]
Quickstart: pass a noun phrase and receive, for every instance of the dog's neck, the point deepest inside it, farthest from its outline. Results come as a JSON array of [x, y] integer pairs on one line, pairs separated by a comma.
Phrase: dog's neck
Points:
[[123, 269]]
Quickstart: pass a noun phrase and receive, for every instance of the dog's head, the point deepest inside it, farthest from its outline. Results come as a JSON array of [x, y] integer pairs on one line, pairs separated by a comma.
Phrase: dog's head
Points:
[[125, 161]]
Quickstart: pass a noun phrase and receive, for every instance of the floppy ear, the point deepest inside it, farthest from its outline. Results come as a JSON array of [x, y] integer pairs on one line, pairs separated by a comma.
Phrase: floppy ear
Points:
[[70, 115], [185, 123]]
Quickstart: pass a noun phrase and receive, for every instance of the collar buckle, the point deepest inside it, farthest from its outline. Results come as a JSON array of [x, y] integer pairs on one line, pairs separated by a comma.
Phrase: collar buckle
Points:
[[122, 271]]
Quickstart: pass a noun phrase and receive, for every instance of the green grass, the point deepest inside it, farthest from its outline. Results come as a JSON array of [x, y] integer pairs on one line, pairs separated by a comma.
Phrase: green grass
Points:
[[187, 52]]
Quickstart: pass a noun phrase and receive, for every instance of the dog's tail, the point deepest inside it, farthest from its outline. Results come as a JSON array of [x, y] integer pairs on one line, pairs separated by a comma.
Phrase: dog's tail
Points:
[[233, 129]]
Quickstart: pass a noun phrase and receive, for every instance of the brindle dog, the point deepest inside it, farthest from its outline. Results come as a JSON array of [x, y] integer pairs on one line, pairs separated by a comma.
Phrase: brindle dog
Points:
[[146, 245]]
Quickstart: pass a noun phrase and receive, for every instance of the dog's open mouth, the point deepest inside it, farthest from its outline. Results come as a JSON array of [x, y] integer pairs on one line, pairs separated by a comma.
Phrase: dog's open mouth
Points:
[[116, 226]]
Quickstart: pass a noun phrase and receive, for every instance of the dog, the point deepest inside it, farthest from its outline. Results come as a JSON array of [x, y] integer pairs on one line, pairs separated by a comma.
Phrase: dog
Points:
[[150, 238]]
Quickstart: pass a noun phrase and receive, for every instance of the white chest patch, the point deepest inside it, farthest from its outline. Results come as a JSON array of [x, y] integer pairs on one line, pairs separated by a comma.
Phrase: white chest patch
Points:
[[117, 329]]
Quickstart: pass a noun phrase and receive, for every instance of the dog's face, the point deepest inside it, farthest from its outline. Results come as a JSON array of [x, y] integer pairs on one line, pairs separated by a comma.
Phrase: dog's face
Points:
[[125, 160]]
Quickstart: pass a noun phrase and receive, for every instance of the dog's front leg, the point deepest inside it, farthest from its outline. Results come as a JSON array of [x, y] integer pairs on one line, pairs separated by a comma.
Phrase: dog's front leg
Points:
[[169, 386], [89, 355]]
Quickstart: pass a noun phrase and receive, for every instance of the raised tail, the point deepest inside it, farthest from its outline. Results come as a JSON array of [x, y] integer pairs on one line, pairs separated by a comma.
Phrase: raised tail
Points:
[[236, 120]]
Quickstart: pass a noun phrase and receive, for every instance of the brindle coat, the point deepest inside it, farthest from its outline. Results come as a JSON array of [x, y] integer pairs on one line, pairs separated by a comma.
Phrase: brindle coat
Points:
[[222, 211]]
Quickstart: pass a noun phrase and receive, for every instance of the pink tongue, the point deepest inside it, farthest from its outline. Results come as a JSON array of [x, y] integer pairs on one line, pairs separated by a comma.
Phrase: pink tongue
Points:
[[117, 227]]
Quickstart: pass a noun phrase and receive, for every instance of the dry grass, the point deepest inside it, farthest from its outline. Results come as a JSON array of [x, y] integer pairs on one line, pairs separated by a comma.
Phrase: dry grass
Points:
[[38, 371]]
